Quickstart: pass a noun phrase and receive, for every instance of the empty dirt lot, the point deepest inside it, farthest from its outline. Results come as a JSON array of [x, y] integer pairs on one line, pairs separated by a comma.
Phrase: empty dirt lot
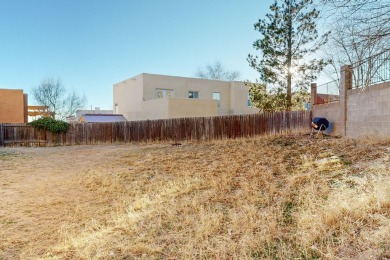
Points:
[[248, 198]]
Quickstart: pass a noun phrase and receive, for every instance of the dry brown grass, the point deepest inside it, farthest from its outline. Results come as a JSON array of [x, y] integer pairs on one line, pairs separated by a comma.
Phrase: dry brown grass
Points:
[[278, 197]]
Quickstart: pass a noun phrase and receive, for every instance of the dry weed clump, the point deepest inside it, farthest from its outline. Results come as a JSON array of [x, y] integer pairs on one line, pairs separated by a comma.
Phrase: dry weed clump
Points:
[[276, 197]]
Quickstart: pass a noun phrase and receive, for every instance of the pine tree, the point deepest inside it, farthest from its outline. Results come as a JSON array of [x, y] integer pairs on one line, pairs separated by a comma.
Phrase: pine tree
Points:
[[288, 38]]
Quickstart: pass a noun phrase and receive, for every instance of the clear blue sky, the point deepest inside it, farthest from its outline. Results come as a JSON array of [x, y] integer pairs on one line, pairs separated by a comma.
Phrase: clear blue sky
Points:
[[92, 44]]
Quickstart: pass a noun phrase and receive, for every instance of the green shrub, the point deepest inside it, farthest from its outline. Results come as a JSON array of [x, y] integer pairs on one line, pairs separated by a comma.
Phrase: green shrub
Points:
[[50, 124]]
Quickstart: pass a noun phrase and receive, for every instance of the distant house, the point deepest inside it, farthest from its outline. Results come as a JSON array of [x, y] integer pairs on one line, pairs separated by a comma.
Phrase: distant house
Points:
[[102, 118], [79, 113], [13, 106], [35, 112], [150, 96], [97, 110]]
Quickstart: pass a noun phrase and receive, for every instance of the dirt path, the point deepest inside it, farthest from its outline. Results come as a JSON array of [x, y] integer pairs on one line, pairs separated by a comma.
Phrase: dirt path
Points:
[[34, 207]]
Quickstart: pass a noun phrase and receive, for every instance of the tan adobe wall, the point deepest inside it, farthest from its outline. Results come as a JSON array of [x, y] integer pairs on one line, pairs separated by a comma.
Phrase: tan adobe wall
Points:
[[164, 108], [128, 95], [154, 109], [369, 111], [192, 107], [239, 99], [133, 94], [13, 106], [182, 86]]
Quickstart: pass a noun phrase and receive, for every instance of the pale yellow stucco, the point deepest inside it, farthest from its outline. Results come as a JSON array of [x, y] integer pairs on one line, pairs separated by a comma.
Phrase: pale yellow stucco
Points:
[[136, 99], [178, 107]]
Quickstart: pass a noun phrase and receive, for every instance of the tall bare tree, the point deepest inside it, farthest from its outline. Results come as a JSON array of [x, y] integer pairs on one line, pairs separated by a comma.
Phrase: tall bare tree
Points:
[[53, 94], [346, 46], [373, 13], [360, 35], [217, 71]]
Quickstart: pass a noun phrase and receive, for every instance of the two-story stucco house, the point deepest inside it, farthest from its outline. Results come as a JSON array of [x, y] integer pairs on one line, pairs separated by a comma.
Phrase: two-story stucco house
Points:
[[150, 96]]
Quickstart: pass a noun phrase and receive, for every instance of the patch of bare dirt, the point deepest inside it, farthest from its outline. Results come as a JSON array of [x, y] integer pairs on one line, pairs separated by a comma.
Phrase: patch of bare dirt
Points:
[[40, 192]]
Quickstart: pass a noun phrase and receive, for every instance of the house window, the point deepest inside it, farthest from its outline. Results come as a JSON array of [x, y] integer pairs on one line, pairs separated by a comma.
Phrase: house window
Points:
[[193, 94], [116, 109], [160, 93], [217, 96]]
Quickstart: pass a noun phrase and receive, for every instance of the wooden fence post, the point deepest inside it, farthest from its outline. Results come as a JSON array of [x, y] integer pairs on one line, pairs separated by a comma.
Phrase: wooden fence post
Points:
[[84, 134], [2, 144]]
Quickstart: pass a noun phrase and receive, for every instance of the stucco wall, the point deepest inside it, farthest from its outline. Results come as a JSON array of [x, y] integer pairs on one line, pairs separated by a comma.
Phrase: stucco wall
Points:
[[182, 86], [13, 106], [164, 108], [368, 111], [128, 95], [239, 99], [154, 109], [330, 111], [133, 94]]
